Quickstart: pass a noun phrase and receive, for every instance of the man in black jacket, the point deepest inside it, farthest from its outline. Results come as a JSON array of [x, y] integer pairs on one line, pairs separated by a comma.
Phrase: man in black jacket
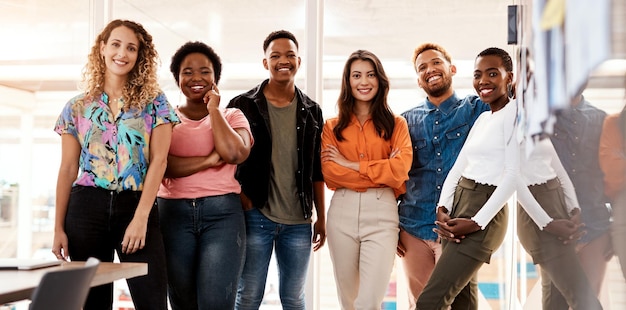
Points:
[[281, 181]]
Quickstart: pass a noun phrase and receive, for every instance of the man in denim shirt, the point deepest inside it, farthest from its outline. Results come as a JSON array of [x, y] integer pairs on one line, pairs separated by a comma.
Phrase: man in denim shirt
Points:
[[438, 129], [576, 139]]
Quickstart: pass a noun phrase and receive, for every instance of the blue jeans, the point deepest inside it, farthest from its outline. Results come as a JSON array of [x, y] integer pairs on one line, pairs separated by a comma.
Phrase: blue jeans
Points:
[[292, 244], [205, 246], [95, 224]]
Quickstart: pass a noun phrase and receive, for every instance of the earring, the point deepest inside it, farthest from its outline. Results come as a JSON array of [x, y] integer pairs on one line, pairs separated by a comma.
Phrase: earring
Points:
[[510, 91]]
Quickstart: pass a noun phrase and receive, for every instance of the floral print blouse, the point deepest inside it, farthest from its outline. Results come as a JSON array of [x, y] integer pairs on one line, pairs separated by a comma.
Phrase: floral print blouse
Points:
[[114, 152]]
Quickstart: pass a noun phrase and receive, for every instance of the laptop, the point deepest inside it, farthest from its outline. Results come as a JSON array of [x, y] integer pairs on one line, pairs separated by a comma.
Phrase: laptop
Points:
[[27, 263]]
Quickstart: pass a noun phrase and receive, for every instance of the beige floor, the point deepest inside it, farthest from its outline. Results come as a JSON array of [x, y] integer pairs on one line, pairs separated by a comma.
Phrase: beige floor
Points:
[[614, 289], [613, 296]]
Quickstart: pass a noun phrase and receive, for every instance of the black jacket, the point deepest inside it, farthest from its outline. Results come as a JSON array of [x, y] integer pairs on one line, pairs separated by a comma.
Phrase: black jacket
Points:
[[254, 173]]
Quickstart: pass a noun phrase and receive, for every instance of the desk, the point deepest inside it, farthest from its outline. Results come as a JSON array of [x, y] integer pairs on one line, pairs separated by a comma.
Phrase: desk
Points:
[[17, 285]]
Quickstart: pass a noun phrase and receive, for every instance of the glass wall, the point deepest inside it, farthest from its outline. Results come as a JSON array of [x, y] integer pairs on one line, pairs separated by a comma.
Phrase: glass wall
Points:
[[45, 44]]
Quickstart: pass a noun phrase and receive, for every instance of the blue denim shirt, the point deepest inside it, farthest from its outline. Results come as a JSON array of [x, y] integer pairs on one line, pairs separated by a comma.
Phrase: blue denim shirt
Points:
[[437, 134], [576, 139]]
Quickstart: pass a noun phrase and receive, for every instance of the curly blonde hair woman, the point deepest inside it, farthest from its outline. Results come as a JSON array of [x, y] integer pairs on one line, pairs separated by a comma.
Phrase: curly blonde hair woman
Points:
[[142, 84], [115, 137]]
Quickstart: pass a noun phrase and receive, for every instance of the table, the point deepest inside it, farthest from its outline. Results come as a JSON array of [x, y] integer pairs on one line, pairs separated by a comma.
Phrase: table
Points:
[[17, 285]]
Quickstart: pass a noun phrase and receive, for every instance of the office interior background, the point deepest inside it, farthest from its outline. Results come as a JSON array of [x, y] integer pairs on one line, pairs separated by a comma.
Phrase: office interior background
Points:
[[45, 45]]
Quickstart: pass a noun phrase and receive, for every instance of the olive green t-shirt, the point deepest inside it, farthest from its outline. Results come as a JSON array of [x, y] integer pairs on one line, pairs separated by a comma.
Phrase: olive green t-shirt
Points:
[[283, 202]]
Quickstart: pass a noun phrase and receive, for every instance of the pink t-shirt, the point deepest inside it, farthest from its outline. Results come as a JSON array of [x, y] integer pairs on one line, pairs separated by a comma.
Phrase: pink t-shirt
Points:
[[195, 138]]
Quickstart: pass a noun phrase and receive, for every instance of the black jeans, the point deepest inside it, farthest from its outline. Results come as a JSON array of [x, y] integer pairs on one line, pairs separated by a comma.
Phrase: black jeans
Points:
[[95, 224]]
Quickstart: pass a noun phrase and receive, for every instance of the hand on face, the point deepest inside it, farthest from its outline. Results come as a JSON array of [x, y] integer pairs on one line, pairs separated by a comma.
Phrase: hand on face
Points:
[[212, 98]]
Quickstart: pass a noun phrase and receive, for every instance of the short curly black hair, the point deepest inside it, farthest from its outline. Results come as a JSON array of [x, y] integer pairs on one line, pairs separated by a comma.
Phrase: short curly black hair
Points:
[[196, 47], [507, 62], [279, 34]]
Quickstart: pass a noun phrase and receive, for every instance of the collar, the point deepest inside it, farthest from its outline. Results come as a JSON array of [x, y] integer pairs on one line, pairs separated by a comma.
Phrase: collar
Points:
[[355, 120], [582, 105], [257, 93], [446, 106]]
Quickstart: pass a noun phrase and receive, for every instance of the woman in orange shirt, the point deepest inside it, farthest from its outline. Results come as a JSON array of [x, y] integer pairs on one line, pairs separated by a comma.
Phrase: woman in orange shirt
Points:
[[366, 156], [612, 159]]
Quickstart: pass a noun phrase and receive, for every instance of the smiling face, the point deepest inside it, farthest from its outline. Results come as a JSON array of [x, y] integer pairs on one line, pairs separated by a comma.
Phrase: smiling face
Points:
[[434, 73], [491, 80], [282, 60], [196, 76], [363, 81], [120, 51]]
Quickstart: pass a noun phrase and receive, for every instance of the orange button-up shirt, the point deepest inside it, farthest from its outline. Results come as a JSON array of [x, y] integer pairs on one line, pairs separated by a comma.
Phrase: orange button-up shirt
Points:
[[613, 156], [362, 144]]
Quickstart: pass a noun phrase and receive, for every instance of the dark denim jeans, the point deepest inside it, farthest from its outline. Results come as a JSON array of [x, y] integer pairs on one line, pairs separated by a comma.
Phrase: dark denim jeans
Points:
[[205, 242], [95, 224], [292, 244]]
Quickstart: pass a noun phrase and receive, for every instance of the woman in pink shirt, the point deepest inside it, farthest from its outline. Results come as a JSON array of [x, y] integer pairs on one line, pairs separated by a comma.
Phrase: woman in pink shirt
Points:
[[201, 215], [366, 157]]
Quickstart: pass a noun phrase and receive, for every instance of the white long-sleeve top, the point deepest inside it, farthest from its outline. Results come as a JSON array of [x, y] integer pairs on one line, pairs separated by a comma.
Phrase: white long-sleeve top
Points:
[[489, 156], [540, 166]]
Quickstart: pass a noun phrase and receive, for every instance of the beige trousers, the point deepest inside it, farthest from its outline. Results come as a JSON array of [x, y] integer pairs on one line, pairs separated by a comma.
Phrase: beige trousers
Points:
[[362, 234]]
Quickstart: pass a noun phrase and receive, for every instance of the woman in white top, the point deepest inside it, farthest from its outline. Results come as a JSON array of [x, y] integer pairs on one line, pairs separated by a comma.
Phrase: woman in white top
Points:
[[548, 226], [471, 213]]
